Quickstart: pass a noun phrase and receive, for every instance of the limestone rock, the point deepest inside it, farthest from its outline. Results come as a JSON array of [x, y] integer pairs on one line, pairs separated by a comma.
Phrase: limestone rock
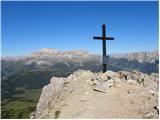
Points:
[[103, 86], [131, 82], [95, 81], [103, 76], [149, 115], [49, 94], [109, 95], [32, 115], [111, 73]]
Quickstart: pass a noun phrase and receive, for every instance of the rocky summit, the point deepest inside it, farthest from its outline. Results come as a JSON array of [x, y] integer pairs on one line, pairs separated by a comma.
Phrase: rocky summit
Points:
[[85, 94]]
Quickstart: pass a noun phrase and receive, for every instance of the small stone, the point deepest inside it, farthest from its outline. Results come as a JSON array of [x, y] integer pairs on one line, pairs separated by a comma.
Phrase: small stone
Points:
[[32, 115], [111, 81], [95, 82], [131, 82], [103, 77], [152, 92], [111, 73], [148, 115], [89, 82], [102, 86]]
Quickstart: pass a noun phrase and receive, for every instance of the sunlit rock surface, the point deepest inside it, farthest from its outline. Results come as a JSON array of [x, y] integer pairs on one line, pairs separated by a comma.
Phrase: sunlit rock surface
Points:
[[84, 94]]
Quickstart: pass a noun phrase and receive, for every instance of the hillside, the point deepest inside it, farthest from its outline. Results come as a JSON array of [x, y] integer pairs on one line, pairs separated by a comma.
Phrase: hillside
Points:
[[85, 94]]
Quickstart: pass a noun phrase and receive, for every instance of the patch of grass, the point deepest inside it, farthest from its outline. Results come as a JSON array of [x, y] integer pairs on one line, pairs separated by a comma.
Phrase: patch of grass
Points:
[[33, 94], [21, 105], [18, 104], [140, 81], [57, 114]]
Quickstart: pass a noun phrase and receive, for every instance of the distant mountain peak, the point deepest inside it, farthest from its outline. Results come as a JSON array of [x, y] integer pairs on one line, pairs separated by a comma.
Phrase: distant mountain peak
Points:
[[47, 51], [50, 51], [146, 56]]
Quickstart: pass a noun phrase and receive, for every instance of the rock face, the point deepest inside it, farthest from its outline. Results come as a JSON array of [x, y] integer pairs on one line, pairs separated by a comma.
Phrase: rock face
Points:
[[84, 94], [141, 57]]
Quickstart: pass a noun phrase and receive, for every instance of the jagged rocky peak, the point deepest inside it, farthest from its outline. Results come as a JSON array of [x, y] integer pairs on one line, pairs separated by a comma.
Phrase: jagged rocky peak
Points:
[[53, 52], [85, 94], [45, 51], [78, 52], [48, 56], [150, 57]]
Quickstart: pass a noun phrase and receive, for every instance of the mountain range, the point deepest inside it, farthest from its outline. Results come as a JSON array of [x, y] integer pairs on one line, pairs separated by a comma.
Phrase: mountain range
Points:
[[48, 57]]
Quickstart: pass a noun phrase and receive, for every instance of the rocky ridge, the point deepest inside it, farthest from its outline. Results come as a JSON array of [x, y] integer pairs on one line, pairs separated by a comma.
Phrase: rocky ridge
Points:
[[141, 57], [85, 94], [48, 56]]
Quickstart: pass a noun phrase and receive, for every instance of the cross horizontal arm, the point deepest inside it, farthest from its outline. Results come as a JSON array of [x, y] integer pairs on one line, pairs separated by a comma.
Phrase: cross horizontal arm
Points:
[[100, 38], [110, 38]]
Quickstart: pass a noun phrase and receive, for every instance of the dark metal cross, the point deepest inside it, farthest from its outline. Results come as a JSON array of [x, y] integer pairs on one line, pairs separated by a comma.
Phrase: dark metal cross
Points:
[[104, 38]]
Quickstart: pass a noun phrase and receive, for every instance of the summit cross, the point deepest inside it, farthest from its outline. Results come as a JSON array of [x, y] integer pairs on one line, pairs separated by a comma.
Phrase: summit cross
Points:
[[104, 38]]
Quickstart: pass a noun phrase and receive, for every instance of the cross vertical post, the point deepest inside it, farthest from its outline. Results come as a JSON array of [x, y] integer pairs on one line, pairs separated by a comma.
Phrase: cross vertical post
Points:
[[104, 47], [104, 38]]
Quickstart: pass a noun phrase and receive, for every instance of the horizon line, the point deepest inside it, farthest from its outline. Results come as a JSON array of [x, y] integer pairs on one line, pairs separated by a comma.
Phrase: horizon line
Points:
[[91, 52]]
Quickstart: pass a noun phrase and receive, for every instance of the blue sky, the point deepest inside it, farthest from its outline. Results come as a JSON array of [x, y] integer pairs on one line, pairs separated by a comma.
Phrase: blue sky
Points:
[[29, 26]]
